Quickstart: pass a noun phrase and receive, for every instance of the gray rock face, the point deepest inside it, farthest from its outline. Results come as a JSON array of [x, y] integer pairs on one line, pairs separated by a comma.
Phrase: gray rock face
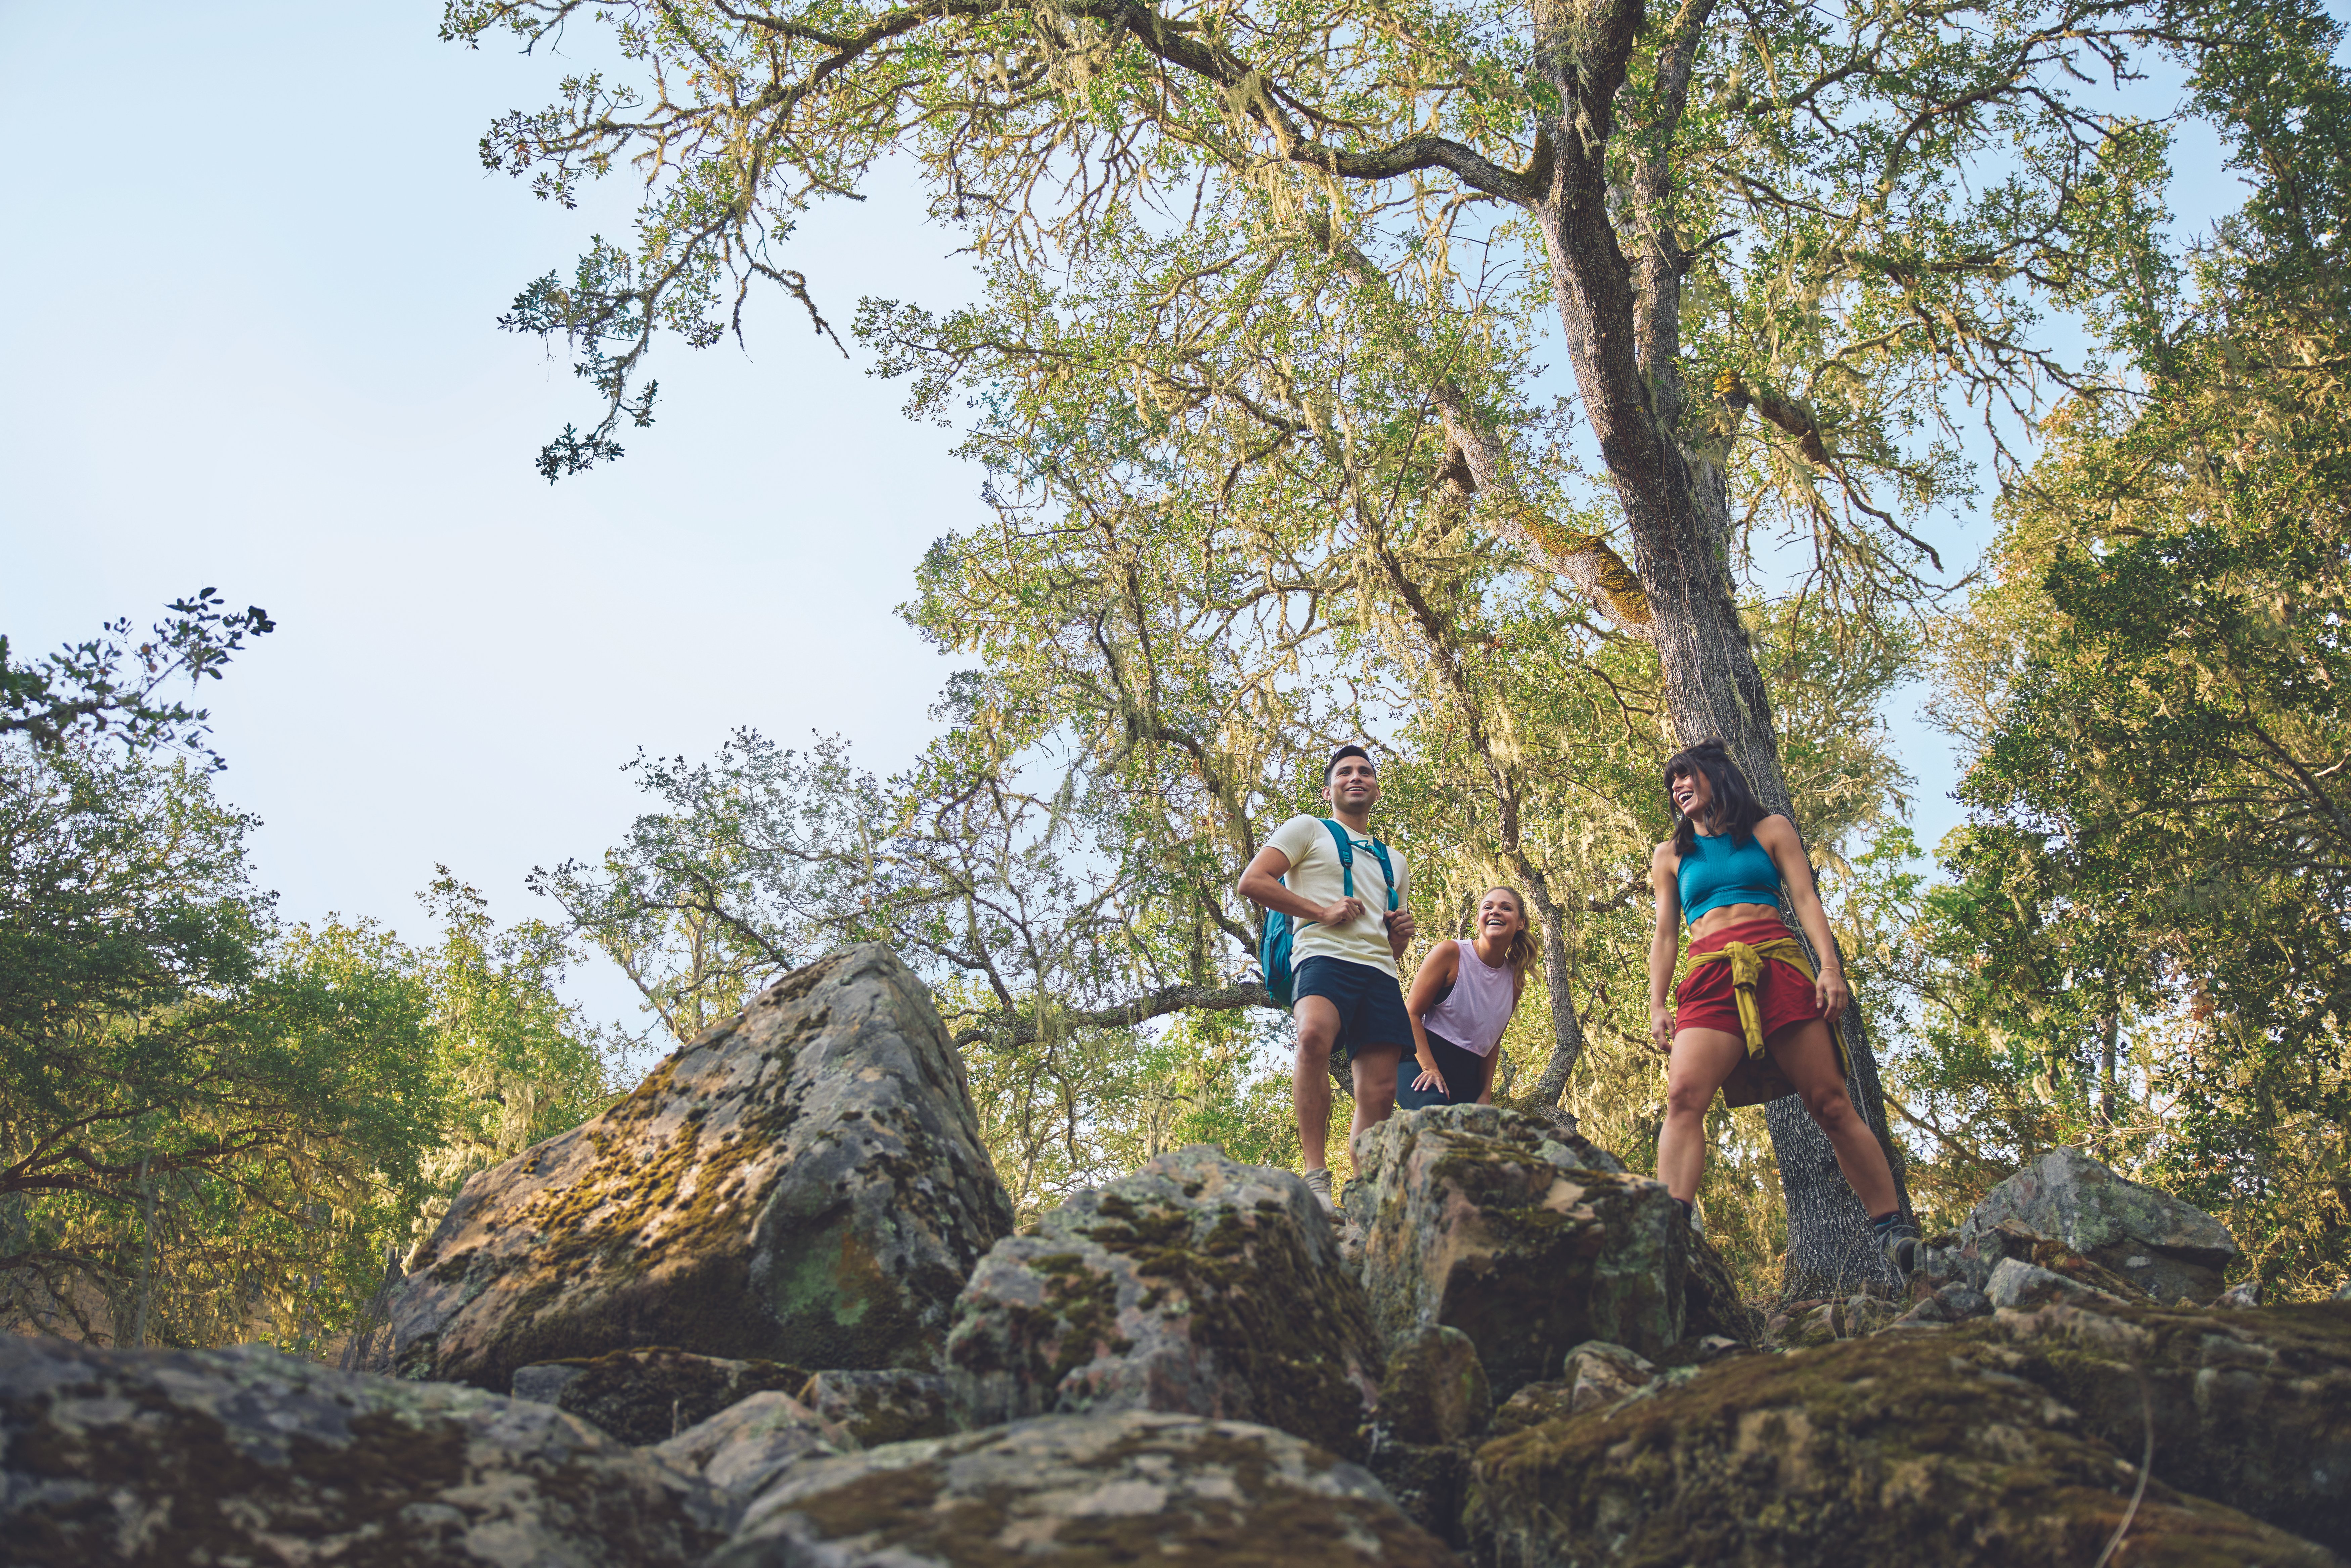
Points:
[[1197, 1284], [164, 1457], [648, 1395], [878, 1407], [1941, 1452], [2159, 1245], [1434, 1403], [2251, 1407], [1082, 1492], [804, 1184], [744, 1449], [1599, 1374], [2015, 1284], [1477, 1217]]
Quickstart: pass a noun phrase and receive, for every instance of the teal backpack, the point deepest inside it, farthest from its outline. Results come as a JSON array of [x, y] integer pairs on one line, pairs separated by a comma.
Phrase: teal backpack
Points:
[[1273, 947]]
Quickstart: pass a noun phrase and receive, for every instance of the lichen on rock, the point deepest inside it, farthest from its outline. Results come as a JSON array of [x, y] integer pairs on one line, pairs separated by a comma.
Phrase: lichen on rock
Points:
[[1083, 1491], [1480, 1218], [1198, 1285], [878, 1407], [649, 1394], [742, 1451], [2149, 1239], [804, 1183], [1900, 1448], [157, 1459]]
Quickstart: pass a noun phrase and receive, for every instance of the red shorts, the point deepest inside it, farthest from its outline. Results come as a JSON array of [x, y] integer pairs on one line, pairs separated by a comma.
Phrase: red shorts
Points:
[[1707, 999]]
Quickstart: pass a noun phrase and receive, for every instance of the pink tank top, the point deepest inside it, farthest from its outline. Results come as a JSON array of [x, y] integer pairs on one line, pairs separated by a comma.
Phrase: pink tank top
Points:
[[1475, 1011]]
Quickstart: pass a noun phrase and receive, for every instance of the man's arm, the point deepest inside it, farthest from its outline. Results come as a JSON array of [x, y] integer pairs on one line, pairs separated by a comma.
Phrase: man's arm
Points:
[[1260, 883]]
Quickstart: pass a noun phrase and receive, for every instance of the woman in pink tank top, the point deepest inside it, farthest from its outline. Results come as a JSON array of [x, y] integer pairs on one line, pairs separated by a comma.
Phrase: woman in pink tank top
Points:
[[1462, 999]]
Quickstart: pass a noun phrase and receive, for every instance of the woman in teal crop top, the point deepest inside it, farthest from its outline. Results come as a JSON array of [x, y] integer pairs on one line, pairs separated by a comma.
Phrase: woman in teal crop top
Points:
[[1718, 870], [1751, 1019]]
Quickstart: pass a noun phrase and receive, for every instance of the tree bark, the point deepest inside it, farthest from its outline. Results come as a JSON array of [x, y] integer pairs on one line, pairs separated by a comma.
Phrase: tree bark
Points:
[[1566, 1026], [1621, 321]]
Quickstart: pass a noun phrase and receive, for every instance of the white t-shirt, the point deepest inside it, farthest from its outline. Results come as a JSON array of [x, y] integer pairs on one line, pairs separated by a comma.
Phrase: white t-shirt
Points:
[[1316, 872]]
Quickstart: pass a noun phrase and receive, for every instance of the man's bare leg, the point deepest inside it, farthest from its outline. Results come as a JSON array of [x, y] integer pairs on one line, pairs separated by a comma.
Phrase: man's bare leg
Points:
[[1375, 1086], [1310, 1077]]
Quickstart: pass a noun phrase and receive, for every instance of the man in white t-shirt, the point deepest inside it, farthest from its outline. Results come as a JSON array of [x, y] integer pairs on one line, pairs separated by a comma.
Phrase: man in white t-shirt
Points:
[[1343, 955]]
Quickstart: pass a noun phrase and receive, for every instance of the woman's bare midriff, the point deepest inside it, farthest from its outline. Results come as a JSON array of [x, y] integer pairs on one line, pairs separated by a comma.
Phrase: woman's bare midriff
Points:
[[1731, 915]]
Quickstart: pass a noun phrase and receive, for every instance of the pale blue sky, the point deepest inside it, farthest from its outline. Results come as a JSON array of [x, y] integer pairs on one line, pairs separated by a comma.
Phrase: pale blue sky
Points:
[[255, 269]]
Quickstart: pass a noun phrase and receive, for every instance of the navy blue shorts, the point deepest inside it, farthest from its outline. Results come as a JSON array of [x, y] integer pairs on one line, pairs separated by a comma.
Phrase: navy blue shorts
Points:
[[1370, 1003], [1464, 1070]]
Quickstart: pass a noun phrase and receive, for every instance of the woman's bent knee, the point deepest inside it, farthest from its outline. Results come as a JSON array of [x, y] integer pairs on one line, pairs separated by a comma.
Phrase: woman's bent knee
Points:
[[1831, 1107]]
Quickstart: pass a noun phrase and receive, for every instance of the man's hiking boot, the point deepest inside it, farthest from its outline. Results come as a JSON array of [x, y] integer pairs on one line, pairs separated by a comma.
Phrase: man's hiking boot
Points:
[[1318, 1182], [1899, 1243]]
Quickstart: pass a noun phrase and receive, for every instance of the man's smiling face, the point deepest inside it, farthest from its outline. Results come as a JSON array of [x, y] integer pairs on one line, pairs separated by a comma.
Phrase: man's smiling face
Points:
[[1355, 785]]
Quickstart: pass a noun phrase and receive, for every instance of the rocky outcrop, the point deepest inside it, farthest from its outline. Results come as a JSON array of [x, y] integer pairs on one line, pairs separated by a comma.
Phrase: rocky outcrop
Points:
[[2252, 1406], [1083, 1490], [1898, 1448], [804, 1183], [2148, 1240], [163, 1458], [742, 1451], [1197, 1284], [1434, 1403], [878, 1407], [1480, 1218], [648, 1395]]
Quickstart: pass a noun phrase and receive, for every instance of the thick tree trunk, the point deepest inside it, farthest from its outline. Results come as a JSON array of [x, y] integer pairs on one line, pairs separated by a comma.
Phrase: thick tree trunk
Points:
[[1667, 470]]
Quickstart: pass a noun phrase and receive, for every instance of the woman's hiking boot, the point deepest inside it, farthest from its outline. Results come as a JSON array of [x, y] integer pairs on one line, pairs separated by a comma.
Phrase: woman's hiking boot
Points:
[[1898, 1244]]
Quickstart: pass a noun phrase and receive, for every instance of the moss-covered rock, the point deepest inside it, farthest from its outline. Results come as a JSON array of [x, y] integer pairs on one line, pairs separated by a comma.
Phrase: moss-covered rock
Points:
[[1434, 1407], [1802, 1325], [804, 1183], [2251, 1407], [1198, 1285], [160, 1458], [1083, 1491], [743, 1450], [1478, 1217], [2148, 1238], [650, 1395], [1917, 1450], [878, 1407]]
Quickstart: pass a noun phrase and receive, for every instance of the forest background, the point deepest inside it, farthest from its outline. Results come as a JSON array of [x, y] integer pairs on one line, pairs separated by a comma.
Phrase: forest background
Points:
[[1198, 560]]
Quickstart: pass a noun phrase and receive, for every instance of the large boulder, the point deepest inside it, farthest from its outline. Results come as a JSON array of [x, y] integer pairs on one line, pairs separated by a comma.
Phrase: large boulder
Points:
[[804, 1183], [1198, 1285], [1082, 1491], [1481, 1219], [650, 1395], [2149, 1239], [1901, 1448], [2253, 1406], [163, 1457]]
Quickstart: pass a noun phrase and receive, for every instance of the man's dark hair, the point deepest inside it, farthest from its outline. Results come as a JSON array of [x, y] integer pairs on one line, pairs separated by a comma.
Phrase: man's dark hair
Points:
[[1344, 752], [1736, 811]]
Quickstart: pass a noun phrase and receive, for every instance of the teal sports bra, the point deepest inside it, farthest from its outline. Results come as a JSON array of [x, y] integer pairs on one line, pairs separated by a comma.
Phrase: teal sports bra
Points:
[[1723, 873]]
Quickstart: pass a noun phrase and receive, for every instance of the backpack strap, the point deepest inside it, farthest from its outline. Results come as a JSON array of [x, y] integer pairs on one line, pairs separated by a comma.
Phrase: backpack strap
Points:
[[1347, 857], [1387, 870]]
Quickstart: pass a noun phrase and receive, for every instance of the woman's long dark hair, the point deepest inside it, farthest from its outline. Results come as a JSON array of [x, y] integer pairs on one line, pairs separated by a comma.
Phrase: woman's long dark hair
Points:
[[1736, 811]]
